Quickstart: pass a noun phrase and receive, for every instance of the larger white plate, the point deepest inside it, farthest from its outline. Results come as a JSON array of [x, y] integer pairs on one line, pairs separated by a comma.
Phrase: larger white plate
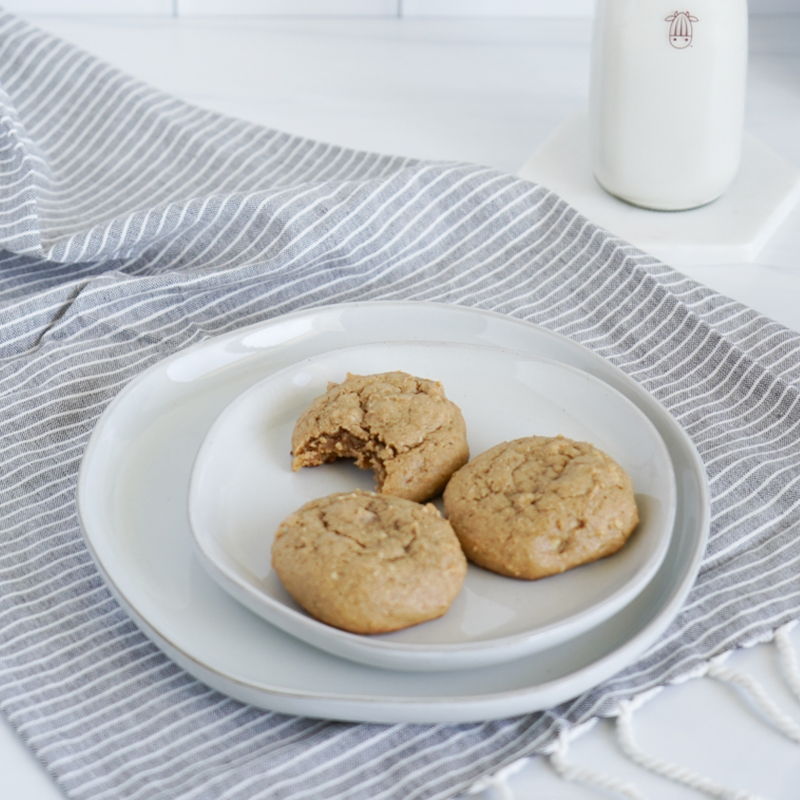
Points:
[[243, 486], [132, 501]]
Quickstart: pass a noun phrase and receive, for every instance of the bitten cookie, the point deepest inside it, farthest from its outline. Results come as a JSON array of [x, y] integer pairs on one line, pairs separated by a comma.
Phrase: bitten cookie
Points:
[[402, 427], [369, 563], [538, 506]]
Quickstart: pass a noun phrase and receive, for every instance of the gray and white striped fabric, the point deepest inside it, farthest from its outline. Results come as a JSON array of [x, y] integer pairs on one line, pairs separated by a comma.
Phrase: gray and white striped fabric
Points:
[[133, 225]]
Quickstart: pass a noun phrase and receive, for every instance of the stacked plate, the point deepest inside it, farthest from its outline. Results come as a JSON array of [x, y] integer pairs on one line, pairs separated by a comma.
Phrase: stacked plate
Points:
[[188, 474]]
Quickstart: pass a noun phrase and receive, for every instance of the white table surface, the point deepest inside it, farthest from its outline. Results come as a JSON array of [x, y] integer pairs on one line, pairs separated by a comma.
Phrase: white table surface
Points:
[[487, 91]]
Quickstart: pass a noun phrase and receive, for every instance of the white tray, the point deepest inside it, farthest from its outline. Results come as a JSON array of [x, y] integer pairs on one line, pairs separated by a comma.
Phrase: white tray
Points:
[[132, 501]]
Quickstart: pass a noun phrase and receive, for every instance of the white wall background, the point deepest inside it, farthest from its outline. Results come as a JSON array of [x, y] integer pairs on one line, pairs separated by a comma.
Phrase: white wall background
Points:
[[381, 8]]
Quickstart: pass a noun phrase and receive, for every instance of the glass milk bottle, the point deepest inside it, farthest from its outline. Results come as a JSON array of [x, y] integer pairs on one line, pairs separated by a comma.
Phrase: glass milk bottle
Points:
[[667, 96]]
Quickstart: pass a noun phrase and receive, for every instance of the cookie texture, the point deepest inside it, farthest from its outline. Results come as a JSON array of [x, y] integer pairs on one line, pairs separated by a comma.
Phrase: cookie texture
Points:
[[541, 505], [369, 563], [402, 427]]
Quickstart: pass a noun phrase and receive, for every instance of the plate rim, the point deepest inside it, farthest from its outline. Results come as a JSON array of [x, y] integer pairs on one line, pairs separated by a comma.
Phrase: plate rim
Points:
[[413, 708], [414, 656]]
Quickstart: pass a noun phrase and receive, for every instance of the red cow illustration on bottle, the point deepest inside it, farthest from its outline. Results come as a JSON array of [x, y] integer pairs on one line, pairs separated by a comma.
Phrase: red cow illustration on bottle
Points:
[[681, 31]]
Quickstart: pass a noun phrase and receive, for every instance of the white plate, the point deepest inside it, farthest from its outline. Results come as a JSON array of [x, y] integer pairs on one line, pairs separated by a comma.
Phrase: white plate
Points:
[[242, 487], [132, 502]]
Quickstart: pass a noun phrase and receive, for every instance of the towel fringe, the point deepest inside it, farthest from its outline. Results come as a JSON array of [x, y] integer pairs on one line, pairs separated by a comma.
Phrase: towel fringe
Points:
[[571, 772], [666, 769], [715, 669], [788, 660], [783, 722], [499, 781]]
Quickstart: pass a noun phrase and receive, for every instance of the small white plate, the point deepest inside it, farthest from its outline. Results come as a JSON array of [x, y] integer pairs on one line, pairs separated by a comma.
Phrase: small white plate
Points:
[[243, 486]]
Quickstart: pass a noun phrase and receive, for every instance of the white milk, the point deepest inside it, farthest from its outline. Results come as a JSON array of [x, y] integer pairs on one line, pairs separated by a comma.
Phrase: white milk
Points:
[[667, 99]]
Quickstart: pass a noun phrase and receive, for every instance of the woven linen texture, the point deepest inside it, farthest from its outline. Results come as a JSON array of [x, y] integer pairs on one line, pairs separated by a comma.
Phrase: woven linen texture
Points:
[[133, 225]]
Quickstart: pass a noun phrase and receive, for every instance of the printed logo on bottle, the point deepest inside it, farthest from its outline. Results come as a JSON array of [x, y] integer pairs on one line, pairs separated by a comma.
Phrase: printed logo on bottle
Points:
[[681, 31]]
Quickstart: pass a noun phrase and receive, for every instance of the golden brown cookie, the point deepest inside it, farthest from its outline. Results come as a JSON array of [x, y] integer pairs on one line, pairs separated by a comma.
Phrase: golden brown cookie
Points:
[[538, 506], [369, 563], [402, 427]]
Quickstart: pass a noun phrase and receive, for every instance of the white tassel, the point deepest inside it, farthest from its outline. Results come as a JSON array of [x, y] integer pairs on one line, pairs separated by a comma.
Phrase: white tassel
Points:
[[570, 772], [498, 782], [781, 721], [666, 769], [788, 659], [501, 788]]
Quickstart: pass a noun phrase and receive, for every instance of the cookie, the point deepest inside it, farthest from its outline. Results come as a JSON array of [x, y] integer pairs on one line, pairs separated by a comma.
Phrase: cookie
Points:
[[538, 506], [402, 427], [369, 563]]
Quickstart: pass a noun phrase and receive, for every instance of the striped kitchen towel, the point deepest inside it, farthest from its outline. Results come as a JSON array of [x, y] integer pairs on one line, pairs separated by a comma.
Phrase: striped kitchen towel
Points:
[[133, 225]]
